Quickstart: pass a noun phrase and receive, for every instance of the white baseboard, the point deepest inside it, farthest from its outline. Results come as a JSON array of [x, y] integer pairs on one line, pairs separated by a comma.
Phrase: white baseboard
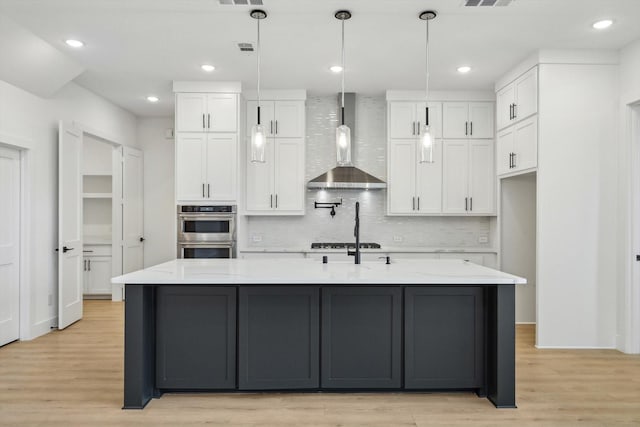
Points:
[[42, 328], [570, 347]]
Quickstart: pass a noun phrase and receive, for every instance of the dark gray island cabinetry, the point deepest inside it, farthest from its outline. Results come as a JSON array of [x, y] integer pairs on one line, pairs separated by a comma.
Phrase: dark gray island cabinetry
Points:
[[246, 325]]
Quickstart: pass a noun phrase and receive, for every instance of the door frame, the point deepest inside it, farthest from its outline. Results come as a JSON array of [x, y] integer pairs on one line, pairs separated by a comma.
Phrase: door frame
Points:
[[23, 146], [630, 304]]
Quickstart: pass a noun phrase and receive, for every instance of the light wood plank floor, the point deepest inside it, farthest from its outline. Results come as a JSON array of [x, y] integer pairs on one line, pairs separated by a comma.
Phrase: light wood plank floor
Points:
[[74, 377]]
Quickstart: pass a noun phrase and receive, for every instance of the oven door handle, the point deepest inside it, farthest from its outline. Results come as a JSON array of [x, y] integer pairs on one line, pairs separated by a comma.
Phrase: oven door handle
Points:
[[206, 245], [207, 217]]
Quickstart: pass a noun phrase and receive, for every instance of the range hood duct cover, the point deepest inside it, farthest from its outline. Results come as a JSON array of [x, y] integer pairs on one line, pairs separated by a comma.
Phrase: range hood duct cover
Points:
[[348, 176]]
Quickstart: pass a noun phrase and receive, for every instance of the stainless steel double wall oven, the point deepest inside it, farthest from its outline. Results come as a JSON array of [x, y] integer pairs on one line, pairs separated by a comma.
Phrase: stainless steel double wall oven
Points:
[[207, 231]]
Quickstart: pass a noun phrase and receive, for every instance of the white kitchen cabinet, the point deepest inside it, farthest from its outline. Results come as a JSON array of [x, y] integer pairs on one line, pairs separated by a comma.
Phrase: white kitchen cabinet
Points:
[[206, 167], [277, 186], [206, 112], [517, 148], [462, 120], [97, 270], [414, 188], [468, 177], [518, 100], [282, 119], [407, 117]]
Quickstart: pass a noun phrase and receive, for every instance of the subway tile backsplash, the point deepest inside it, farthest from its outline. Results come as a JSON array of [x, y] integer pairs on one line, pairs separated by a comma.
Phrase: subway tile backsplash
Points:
[[369, 154]]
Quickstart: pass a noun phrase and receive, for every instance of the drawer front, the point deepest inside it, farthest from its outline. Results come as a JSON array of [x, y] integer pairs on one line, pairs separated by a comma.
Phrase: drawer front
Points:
[[96, 250]]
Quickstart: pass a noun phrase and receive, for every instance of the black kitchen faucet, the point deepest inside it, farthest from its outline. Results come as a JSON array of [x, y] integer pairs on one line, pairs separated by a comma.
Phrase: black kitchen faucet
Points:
[[356, 233]]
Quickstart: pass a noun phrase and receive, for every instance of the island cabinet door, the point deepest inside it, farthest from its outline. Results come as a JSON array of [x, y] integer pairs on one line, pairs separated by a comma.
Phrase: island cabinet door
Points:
[[279, 337], [444, 337], [361, 337], [196, 337]]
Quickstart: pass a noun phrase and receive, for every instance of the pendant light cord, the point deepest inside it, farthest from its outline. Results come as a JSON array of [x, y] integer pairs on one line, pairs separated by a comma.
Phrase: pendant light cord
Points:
[[343, 71], [258, 47], [427, 64]]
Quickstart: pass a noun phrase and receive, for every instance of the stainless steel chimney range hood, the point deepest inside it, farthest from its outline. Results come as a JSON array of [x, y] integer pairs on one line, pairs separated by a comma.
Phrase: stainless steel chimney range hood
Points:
[[347, 176]]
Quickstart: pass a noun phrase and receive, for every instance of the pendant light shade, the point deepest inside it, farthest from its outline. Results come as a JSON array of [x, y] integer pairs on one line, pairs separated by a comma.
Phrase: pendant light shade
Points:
[[343, 133], [426, 138], [258, 131]]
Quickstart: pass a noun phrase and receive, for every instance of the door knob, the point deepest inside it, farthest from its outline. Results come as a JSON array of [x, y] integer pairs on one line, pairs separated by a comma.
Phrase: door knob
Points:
[[142, 239], [66, 249]]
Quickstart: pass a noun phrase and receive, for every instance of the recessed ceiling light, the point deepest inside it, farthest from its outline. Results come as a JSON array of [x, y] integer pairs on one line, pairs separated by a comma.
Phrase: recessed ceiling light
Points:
[[464, 69], [152, 98], [74, 43], [208, 68], [601, 25], [336, 69]]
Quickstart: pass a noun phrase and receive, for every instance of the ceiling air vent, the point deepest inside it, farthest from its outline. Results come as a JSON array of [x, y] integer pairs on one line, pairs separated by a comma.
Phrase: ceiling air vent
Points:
[[245, 47], [473, 3], [241, 2]]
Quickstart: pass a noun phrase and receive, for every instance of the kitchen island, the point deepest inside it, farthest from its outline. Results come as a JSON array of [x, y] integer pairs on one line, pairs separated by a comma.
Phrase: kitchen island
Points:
[[279, 325]]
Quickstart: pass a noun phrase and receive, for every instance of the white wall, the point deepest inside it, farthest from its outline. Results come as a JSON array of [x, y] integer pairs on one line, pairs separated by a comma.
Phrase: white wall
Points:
[[628, 319], [35, 120], [577, 205], [159, 190], [518, 240]]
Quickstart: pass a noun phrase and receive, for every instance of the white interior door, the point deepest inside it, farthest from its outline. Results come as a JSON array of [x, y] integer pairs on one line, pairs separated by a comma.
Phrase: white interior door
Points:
[[70, 260], [132, 211], [9, 245]]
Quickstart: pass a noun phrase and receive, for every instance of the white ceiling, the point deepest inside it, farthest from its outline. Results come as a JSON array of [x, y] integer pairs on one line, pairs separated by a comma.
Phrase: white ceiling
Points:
[[137, 47]]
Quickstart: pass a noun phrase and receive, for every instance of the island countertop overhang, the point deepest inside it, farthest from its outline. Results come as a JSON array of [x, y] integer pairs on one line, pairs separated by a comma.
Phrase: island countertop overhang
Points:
[[312, 272]]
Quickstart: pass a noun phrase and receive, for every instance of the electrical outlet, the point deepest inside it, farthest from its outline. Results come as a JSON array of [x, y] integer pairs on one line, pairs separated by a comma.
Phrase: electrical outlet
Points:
[[50, 299], [256, 238], [398, 239], [483, 239]]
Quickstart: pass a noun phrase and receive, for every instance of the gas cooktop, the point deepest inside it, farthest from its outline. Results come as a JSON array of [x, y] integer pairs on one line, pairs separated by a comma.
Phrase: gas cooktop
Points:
[[344, 245]]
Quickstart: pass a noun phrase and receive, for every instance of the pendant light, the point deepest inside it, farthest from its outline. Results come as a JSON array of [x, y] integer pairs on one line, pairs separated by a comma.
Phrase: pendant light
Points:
[[258, 131], [426, 138], [343, 133]]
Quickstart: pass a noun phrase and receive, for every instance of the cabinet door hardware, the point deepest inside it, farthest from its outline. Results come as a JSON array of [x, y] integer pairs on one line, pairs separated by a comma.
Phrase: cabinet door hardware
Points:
[[466, 203], [414, 203], [86, 251], [209, 121], [276, 132], [514, 160], [466, 128], [510, 111], [271, 200], [413, 130], [208, 191], [276, 194], [203, 190], [471, 128], [418, 128], [418, 203], [88, 265], [470, 203], [203, 125], [515, 110], [271, 128], [85, 265]]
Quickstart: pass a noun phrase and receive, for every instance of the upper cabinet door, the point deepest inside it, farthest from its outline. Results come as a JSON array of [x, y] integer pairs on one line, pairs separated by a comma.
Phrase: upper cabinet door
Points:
[[525, 145], [289, 174], [401, 194], [191, 163], [289, 119], [504, 151], [429, 182], [455, 120], [222, 112], [402, 120], [481, 177], [526, 88], [435, 118], [480, 120], [222, 160], [191, 112], [504, 102], [266, 116], [259, 194], [455, 172]]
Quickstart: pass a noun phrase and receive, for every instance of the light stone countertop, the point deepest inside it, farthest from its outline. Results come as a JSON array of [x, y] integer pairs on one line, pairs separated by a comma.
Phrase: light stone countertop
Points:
[[306, 271], [384, 249]]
